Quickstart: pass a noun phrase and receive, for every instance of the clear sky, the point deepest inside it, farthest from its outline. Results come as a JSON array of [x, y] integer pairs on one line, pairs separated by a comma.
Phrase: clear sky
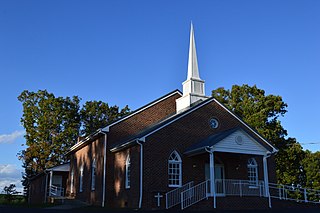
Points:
[[132, 52]]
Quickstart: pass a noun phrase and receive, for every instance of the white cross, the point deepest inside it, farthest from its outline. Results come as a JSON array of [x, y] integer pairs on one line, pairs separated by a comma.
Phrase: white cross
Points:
[[158, 196]]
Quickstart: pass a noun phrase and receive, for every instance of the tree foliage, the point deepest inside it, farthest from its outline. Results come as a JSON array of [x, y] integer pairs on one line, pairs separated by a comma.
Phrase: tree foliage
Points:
[[311, 165], [52, 125], [9, 192], [97, 114], [262, 112], [259, 110]]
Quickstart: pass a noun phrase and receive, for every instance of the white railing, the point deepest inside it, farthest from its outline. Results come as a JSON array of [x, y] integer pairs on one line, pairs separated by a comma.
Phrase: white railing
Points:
[[194, 194], [239, 188], [55, 191], [173, 197], [299, 194]]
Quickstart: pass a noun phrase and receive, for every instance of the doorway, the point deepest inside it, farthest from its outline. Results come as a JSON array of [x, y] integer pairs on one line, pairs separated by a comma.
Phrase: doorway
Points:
[[218, 176]]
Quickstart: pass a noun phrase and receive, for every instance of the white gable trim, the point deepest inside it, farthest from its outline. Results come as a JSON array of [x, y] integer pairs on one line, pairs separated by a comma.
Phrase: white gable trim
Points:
[[107, 128], [201, 105], [174, 120], [248, 145], [140, 110], [246, 125]]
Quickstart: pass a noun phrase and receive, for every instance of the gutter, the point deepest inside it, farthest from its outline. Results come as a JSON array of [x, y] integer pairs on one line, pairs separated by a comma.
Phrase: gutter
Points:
[[104, 168], [141, 172]]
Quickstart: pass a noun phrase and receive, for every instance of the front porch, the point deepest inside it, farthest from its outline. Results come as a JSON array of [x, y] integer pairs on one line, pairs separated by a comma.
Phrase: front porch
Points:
[[234, 163], [57, 182], [223, 188]]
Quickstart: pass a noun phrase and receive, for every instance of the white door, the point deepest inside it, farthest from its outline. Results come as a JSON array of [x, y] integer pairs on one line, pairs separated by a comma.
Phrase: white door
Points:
[[218, 176], [57, 180]]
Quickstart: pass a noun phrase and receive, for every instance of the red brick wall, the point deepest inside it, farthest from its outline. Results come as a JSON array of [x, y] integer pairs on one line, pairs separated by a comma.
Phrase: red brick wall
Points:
[[118, 133], [179, 136], [127, 197], [85, 157], [142, 120], [37, 189]]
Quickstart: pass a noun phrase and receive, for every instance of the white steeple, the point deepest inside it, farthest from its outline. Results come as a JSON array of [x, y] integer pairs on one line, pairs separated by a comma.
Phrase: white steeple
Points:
[[193, 71], [193, 87]]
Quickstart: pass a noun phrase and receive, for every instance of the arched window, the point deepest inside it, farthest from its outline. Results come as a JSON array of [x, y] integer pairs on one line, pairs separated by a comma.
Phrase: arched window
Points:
[[72, 181], [252, 171], [128, 172], [175, 169], [93, 174], [81, 179]]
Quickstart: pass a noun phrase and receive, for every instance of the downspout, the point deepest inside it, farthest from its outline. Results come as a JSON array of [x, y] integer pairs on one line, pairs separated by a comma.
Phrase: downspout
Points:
[[104, 169], [266, 178], [212, 177], [141, 173]]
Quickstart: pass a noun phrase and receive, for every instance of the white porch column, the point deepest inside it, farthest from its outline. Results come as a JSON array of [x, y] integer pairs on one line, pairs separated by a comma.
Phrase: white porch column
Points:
[[265, 174], [50, 182], [212, 182]]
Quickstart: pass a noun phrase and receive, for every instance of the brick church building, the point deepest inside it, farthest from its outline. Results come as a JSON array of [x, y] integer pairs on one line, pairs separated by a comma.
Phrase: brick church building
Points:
[[183, 150]]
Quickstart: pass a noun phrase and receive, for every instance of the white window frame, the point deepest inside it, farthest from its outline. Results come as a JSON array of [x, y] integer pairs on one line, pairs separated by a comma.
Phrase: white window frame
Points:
[[174, 170], [81, 179], [72, 181], [252, 167], [93, 175], [128, 173]]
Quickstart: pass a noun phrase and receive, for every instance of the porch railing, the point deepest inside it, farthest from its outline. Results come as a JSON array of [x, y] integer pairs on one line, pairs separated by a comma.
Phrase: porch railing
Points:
[[55, 191], [239, 187], [295, 193], [194, 194], [173, 197]]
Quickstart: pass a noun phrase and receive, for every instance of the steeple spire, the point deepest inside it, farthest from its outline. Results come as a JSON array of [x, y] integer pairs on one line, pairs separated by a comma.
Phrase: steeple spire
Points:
[[193, 71], [193, 87]]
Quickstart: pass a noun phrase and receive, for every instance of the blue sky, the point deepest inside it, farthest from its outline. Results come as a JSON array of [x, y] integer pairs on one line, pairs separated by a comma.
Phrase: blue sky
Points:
[[132, 52]]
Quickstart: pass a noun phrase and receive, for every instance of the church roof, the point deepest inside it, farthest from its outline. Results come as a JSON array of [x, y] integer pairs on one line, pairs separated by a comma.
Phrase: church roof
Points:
[[210, 141], [93, 135], [149, 131], [214, 139]]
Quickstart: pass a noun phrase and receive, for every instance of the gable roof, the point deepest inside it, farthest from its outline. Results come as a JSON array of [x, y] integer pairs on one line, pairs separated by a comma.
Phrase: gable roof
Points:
[[221, 141], [149, 131], [106, 128], [210, 141], [89, 138]]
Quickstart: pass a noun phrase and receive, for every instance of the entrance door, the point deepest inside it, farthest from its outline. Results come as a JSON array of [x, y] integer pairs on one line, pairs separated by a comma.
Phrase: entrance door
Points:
[[218, 176], [57, 180]]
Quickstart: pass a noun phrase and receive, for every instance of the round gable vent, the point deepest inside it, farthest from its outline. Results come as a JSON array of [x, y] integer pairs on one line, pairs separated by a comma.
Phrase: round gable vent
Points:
[[239, 140], [214, 123]]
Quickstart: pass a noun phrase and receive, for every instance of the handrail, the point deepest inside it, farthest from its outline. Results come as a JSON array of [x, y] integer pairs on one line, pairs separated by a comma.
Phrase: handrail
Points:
[[55, 191], [173, 197], [295, 193], [195, 194]]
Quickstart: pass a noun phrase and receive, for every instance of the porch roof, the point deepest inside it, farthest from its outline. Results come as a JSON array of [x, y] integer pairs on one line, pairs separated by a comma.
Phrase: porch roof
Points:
[[60, 168], [214, 139], [209, 141]]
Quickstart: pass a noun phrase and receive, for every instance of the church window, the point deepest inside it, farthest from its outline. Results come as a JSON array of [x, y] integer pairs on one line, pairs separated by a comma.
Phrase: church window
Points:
[[93, 175], [252, 172], [175, 170], [72, 181], [128, 173], [81, 179]]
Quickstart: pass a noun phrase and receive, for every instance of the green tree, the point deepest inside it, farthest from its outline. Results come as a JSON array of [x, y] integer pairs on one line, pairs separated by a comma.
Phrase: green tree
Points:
[[97, 114], [262, 112], [9, 192], [290, 169], [52, 127], [311, 165], [259, 110]]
